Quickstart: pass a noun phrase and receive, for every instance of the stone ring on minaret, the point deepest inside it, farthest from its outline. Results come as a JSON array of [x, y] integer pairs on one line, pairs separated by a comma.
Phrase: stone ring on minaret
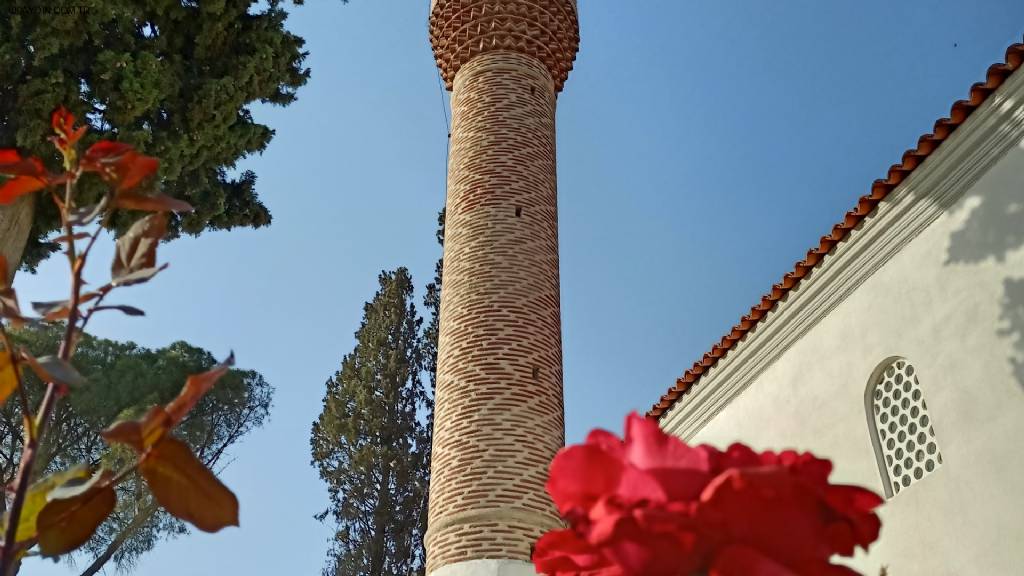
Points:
[[547, 30]]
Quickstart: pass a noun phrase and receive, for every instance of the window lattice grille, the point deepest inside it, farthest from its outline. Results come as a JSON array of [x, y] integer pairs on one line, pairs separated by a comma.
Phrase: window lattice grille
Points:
[[909, 450]]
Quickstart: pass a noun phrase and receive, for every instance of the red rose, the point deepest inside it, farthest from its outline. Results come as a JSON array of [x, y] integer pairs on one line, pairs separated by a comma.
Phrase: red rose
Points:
[[651, 505], [564, 552]]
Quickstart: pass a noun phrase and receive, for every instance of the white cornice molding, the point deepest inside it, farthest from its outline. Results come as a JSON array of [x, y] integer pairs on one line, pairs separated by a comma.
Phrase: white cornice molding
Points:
[[945, 175]]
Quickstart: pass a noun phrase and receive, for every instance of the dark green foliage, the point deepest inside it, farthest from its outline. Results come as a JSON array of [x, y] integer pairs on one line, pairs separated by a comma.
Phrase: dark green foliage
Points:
[[430, 336], [432, 302], [370, 444], [123, 380], [174, 78]]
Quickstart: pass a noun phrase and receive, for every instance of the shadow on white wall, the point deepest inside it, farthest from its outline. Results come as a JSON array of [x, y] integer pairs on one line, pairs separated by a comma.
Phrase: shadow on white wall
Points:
[[1013, 316], [993, 230]]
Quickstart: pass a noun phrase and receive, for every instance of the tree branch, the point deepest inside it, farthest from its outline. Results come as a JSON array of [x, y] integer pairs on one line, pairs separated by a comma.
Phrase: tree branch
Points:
[[137, 522]]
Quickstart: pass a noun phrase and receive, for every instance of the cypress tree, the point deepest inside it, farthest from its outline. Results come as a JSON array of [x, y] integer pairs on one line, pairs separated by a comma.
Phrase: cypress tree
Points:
[[431, 333], [370, 444], [174, 78]]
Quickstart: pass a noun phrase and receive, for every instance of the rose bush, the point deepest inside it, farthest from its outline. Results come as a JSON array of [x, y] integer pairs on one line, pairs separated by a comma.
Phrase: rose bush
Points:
[[651, 505], [59, 512]]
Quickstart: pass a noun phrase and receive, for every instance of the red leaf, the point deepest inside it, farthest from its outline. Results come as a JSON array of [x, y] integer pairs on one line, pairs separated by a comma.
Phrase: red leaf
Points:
[[8, 299], [138, 277], [82, 215], [129, 310], [29, 175], [63, 123], [59, 310], [155, 203], [119, 163], [12, 163], [9, 307], [74, 513], [136, 169], [195, 388], [124, 432], [140, 434], [9, 380], [53, 369], [19, 186], [36, 498], [105, 151], [152, 428], [136, 250], [186, 488]]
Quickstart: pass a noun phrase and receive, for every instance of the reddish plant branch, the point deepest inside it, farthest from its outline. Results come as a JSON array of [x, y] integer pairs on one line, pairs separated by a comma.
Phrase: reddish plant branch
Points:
[[26, 409], [36, 430]]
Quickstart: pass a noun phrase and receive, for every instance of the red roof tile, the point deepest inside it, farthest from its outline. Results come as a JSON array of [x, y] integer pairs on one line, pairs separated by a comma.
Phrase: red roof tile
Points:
[[997, 74]]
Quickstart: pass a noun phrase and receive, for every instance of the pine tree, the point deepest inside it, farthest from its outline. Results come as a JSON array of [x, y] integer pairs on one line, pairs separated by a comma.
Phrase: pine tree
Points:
[[370, 444], [124, 381]]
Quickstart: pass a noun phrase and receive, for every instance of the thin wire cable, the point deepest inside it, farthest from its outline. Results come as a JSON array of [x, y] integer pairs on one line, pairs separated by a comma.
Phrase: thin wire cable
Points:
[[444, 108], [448, 129], [447, 126]]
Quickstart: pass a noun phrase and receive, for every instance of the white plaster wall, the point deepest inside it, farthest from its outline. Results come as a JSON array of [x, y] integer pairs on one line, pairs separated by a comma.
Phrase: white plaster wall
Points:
[[952, 303]]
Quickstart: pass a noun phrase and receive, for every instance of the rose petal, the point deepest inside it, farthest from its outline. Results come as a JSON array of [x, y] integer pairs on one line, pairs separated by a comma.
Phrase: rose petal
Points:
[[580, 475], [606, 441], [769, 509], [654, 506], [856, 506], [648, 447], [735, 456], [564, 553], [645, 553], [681, 471], [743, 561]]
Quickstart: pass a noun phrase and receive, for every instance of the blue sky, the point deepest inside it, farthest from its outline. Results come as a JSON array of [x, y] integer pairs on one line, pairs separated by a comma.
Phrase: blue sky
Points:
[[704, 146]]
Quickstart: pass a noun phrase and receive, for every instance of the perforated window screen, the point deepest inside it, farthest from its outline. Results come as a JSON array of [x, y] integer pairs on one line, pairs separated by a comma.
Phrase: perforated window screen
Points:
[[906, 445]]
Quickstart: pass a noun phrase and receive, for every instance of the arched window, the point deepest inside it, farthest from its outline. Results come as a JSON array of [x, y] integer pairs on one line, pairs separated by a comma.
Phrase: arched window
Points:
[[902, 431]]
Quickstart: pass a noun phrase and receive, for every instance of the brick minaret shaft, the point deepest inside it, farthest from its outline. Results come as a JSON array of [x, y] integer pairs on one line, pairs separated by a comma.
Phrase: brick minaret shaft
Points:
[[499, 414]]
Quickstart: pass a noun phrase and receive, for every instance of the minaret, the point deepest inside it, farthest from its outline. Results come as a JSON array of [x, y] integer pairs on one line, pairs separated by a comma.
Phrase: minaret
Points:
[[499, 415]]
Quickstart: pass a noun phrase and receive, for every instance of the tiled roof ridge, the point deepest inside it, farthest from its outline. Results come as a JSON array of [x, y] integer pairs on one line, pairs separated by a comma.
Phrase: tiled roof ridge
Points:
[[997, 74]]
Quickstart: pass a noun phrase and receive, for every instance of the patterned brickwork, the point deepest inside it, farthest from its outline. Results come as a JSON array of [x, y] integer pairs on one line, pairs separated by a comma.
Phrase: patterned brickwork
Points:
[[547, 30], [499, 417]]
